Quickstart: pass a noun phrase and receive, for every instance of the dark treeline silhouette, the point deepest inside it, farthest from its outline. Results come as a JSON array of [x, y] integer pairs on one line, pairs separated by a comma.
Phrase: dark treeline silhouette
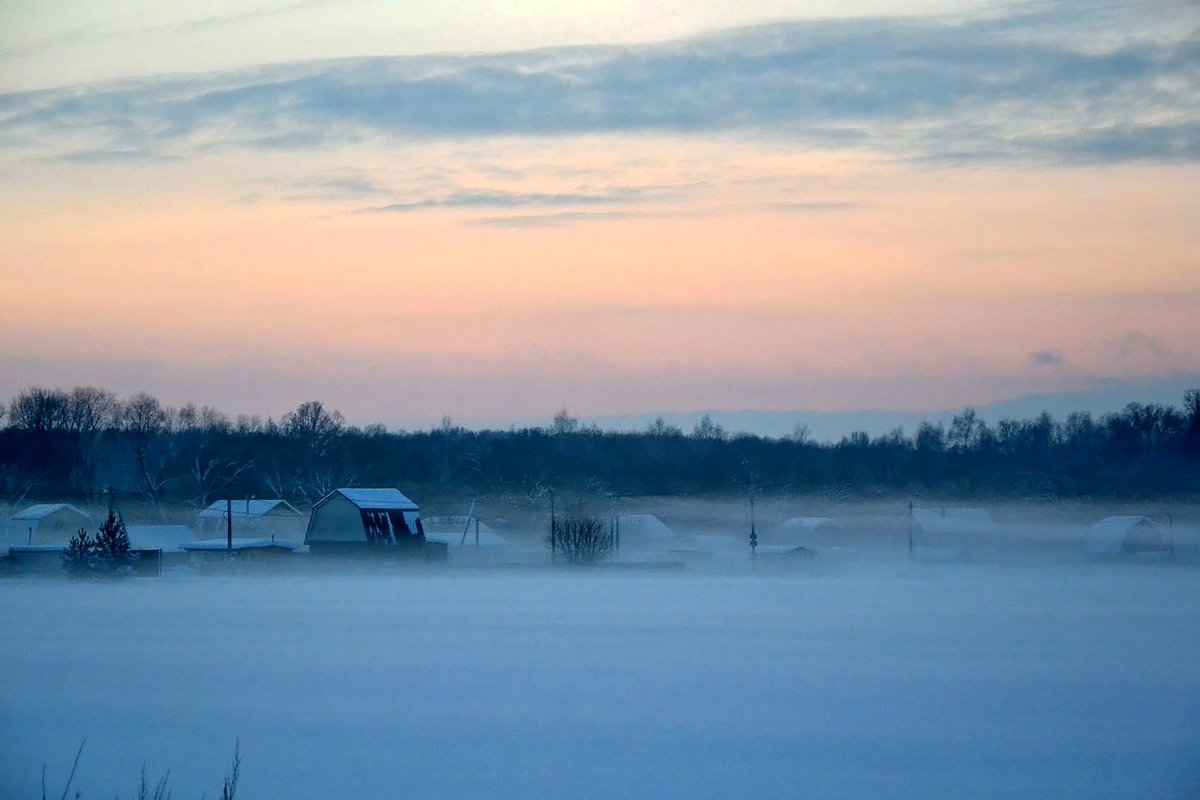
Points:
[[76, 443]]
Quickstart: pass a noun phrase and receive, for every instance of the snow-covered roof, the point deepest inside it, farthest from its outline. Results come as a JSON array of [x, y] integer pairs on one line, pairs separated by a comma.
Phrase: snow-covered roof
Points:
[[1114, 535], [248, 508], [376, 499], [954, 520], [455, 538], [239, 544], [43, 510], [636, 527], [159, 537], [809, 523]]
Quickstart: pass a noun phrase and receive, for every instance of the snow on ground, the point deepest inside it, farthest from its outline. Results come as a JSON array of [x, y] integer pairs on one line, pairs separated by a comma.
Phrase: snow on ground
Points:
[[911, 681]]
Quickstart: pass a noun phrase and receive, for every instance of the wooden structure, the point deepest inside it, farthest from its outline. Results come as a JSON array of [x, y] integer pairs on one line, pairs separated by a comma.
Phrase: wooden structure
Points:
[[372, 522]]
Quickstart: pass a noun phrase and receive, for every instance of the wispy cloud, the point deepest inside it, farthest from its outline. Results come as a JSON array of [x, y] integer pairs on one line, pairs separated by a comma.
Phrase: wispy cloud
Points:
[[1047, 358], [1022, 86], [502, 199], [556, 220]]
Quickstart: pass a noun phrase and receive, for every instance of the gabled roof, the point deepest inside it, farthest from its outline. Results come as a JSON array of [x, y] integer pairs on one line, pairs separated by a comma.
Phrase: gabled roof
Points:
[[239, 544], [248, 508], [375, 499], [643, 526], [954, 520], [43, 510]]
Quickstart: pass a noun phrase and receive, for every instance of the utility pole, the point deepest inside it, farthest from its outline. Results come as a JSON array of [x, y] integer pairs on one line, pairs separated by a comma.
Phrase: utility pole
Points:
[[553, 531], [910, 528], [753, 534], [229, 525]]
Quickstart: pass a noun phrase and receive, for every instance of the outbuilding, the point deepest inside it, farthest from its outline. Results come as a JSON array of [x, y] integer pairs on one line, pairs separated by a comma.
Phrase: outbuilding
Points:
[[360, 520], [269, 517], [47, 524], [1125, 535]]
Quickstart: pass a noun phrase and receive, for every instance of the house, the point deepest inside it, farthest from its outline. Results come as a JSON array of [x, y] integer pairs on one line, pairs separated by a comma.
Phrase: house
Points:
[[1125, 535], [47, 524], [266, 518], [368, 520]]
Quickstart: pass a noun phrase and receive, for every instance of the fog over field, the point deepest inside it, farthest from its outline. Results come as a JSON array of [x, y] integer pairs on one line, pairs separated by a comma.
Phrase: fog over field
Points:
[[1019, 670]]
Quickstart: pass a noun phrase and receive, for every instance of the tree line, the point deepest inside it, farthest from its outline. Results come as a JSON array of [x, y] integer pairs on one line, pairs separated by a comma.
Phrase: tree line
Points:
[[80, 443]]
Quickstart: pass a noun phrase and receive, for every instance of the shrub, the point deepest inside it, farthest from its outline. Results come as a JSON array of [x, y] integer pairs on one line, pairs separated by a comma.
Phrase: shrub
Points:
[[581, 540]]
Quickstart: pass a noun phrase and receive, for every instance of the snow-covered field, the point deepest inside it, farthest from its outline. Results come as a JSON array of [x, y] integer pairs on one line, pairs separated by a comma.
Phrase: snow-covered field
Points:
[[899, 681]]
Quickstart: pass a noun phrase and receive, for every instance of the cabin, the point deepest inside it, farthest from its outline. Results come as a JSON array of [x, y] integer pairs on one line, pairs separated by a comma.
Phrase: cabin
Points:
[[47, 524], [369, 521], [1126, 535], [252, 518]]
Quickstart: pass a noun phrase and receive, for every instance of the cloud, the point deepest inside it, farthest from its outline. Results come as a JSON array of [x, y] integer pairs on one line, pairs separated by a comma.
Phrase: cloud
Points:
[[1047, 358], [1136, 345], [522, 221], [502, 199], [1042, 83]]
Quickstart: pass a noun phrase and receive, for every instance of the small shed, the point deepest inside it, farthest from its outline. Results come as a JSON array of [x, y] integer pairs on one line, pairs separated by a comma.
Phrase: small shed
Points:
[[252, 518], [1125, 535], [357, 520], [47, 524]]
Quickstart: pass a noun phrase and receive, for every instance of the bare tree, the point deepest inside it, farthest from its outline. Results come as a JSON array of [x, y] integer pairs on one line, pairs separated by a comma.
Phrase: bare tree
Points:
[[707, 428], [311, 420], [145, 422], [564, 422], [40, 410], [581, 540]]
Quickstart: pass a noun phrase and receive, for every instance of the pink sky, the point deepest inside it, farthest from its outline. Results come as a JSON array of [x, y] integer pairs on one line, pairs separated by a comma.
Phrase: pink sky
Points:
[[609, 272]]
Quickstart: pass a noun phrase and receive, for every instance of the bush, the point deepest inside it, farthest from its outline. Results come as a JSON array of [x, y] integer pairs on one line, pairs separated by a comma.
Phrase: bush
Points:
[[581, 540], [107, 554]]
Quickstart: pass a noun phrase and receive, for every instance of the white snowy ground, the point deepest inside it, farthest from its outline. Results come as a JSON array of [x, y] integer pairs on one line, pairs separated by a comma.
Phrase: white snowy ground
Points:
[[904, 681]]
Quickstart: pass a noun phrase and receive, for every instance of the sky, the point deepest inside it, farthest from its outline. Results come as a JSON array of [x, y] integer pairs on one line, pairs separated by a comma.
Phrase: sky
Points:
[[495, 210]]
